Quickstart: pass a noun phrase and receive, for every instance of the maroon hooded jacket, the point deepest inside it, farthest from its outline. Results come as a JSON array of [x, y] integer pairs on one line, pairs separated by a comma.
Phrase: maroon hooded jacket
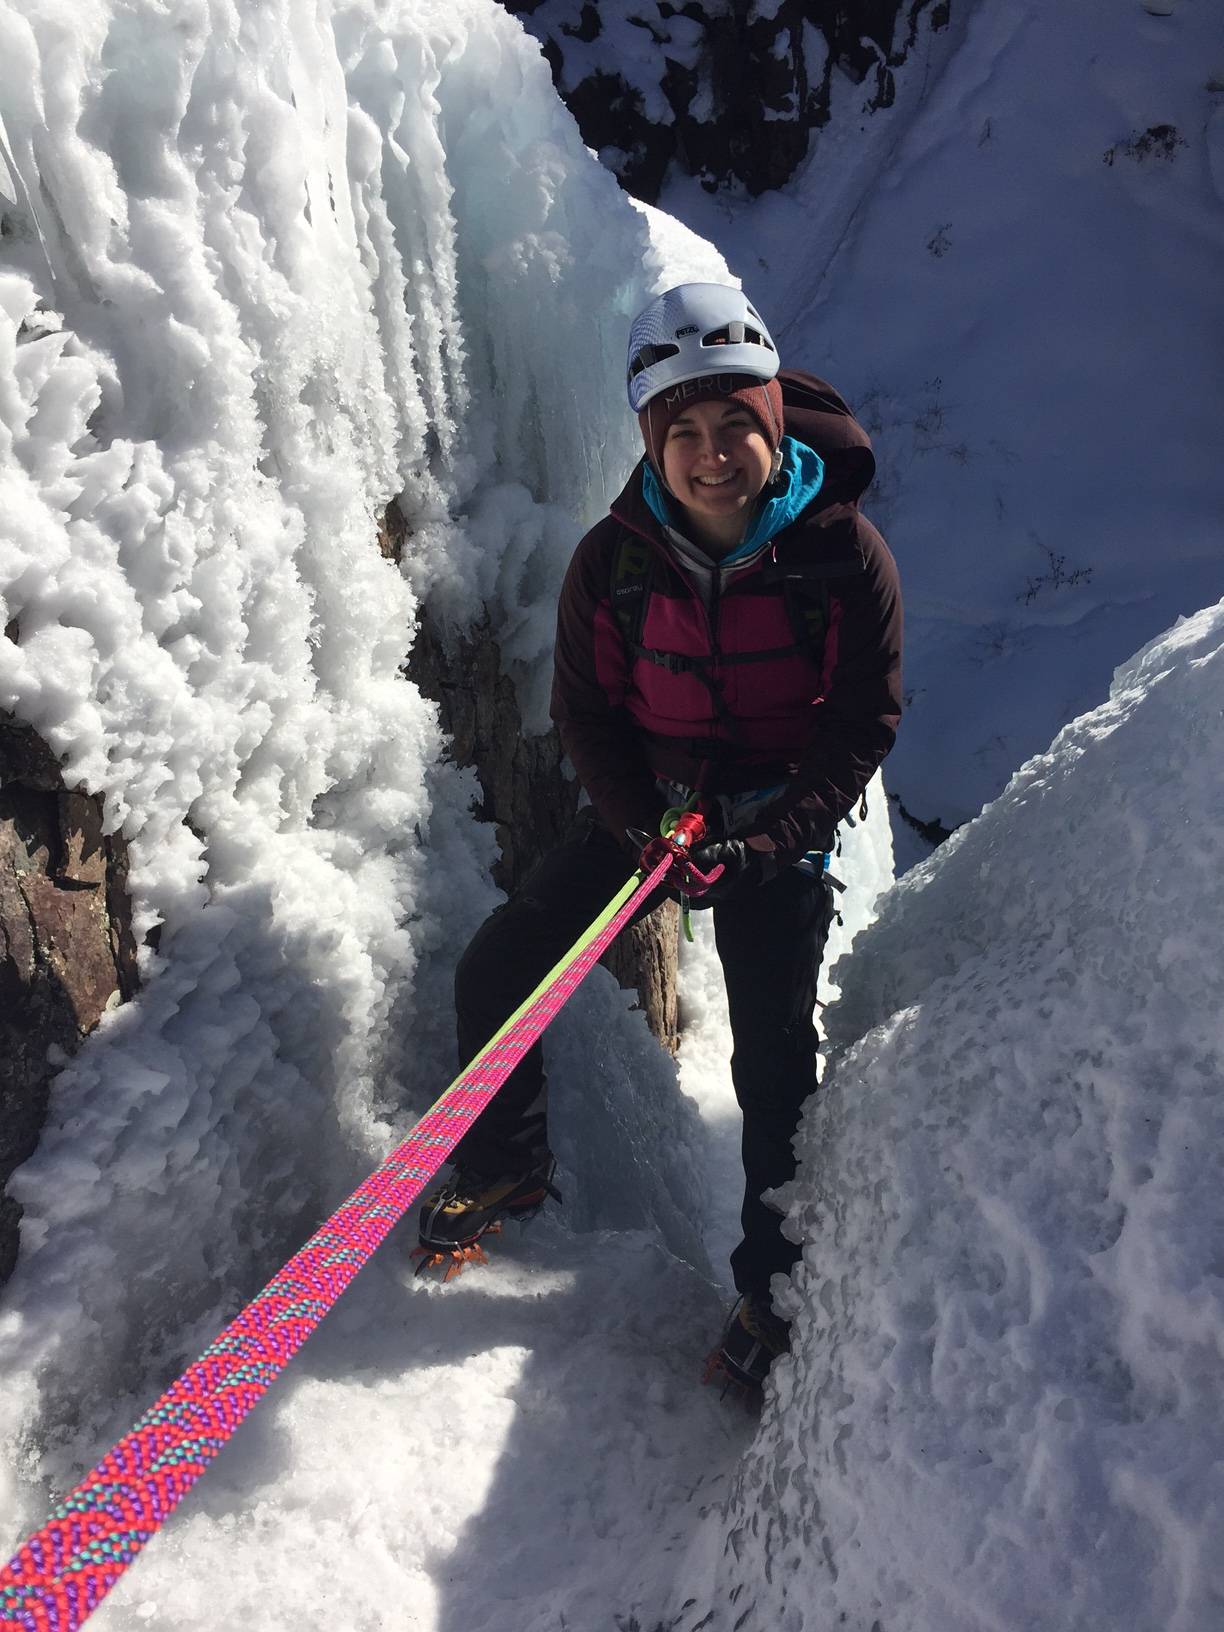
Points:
[[821, 732]]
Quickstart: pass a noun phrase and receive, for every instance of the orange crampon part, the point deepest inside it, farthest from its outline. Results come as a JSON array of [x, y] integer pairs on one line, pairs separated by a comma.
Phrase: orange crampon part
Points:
[[455, 1258], [716, 1370]]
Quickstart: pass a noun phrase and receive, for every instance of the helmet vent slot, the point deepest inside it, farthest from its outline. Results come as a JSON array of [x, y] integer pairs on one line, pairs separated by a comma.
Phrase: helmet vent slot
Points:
[[649, 355], [735, 334]]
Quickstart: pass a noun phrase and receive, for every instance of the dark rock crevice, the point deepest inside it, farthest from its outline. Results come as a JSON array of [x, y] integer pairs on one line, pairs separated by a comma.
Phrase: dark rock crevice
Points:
[[67, 951], [744, 100]]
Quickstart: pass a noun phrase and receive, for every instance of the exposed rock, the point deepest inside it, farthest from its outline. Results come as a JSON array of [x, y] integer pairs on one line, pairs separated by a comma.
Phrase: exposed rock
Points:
[[931, 829], [730, 90], [66, 946], [645, 960], [527, 793]]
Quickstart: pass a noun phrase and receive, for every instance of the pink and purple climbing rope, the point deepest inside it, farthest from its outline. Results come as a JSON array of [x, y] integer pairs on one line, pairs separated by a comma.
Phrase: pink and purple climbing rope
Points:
[[63, 1572]]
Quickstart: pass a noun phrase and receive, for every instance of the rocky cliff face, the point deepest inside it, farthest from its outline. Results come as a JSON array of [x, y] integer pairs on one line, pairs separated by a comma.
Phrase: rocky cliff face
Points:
[[66, 946], [729, 90]]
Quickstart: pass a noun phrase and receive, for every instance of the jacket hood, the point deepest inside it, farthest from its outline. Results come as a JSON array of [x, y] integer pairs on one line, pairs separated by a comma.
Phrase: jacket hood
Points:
[[817, 414]]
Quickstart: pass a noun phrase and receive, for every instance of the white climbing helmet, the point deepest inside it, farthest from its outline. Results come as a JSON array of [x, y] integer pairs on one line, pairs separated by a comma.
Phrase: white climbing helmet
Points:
[[696, 329]]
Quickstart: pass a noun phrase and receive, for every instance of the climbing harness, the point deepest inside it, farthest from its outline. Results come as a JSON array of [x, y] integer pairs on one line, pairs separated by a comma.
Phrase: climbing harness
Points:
[[62, 1573]]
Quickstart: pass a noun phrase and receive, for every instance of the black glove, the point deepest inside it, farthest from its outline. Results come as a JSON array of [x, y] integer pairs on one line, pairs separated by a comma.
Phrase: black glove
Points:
[[742, 867]]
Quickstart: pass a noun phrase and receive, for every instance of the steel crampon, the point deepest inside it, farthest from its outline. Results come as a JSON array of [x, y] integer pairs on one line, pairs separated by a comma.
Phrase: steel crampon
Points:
[[716, 1371]]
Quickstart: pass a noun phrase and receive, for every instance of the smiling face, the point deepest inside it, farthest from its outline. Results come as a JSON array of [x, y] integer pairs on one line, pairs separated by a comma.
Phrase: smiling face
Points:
[[716, 463]]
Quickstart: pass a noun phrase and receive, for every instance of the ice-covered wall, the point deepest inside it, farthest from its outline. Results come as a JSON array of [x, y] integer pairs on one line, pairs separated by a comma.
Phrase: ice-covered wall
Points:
[[263, 268], [1006, 1400]]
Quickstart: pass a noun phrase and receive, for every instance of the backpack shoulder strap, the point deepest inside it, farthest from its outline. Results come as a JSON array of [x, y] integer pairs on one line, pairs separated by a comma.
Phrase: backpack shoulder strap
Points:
[[805, 595], [807, 607], [629, 590]]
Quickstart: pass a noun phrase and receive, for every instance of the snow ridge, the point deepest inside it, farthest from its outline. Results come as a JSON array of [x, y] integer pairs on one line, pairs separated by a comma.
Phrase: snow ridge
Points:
[[1004, 1409]]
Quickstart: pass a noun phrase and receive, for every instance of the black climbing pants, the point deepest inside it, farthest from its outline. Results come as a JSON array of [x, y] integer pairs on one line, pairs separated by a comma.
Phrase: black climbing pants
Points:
[[770, 940]]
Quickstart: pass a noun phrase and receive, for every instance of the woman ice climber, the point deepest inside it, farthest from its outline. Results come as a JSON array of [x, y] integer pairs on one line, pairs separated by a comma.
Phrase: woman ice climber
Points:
[[729, 634]]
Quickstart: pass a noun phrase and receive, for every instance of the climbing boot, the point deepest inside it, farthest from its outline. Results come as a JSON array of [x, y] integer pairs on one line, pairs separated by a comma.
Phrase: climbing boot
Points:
[[469, 1205], [752, 1340]]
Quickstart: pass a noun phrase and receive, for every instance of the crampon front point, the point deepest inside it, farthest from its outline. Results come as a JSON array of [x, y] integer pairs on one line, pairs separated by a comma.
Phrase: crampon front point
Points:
[[719, 1374], [455, 1258]]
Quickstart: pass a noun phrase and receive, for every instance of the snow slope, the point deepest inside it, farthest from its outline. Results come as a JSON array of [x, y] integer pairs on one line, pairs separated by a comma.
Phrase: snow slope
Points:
[[1013, 275], [1006, 1400]]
